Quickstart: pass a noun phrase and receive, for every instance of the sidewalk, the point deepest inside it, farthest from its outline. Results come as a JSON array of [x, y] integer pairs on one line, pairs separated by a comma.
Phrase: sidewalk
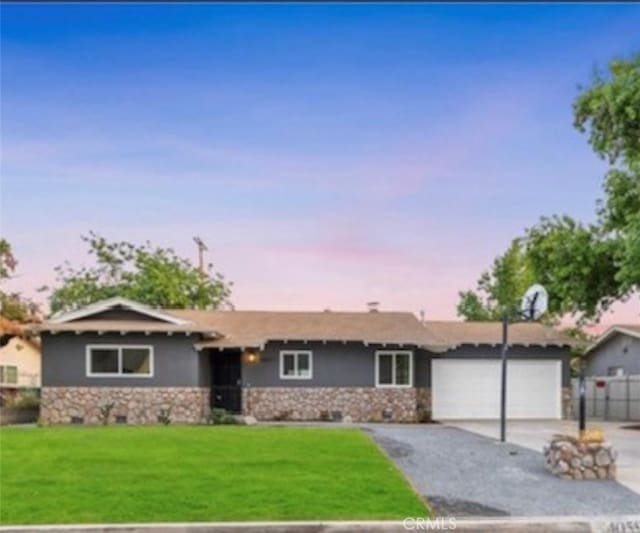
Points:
[[522, 525]]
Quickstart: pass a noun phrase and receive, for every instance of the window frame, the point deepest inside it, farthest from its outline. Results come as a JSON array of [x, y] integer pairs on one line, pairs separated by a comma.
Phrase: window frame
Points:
[[616, 371], [120, 347], [393, 385], [296, 353], [5, 371]]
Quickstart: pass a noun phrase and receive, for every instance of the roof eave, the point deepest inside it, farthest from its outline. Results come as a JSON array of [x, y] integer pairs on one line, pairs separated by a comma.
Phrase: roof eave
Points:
[[111, 303], [612, 331]]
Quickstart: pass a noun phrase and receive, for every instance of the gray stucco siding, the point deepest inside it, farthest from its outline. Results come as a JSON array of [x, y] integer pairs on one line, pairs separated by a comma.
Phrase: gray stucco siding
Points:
[[619, 351], [334, 365], [515, 352], [176, 362], [422, 368]]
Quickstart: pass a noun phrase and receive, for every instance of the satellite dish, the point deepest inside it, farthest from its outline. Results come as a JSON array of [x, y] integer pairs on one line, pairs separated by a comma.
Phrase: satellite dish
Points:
[[534, 302]]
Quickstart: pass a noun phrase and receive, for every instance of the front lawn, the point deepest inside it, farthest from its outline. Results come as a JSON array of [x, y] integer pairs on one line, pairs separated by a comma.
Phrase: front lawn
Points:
[[199, 473]]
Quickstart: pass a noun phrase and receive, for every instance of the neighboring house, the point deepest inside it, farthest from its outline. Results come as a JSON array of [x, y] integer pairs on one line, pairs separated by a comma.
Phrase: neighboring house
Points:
[[369, 366], [19, 357], [615, 353]]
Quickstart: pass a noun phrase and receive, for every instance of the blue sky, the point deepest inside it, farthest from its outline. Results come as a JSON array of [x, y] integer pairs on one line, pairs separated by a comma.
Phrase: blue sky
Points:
[[328, 154]]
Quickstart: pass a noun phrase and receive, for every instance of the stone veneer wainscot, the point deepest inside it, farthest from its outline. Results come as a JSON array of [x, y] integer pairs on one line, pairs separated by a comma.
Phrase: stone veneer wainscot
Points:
[[362, 404], [140, 405]]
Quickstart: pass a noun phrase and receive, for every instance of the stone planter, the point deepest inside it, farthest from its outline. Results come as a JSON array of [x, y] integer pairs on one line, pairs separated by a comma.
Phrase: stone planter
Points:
[[571, 458]]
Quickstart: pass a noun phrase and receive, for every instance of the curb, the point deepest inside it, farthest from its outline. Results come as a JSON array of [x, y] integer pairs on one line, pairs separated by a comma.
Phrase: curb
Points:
[[564, 524]]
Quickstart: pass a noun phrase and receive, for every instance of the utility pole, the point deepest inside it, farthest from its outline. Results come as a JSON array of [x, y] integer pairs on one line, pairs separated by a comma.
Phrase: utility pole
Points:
[[202, 247]]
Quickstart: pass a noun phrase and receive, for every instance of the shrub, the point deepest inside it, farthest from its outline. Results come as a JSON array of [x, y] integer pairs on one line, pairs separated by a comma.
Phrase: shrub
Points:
[[105, 413], [165, 416], [424, 415], [27, 401], [220, 416], [283, 416]]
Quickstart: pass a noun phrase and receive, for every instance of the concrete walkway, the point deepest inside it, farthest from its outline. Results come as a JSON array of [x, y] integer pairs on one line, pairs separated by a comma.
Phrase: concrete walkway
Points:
[[534, 434]]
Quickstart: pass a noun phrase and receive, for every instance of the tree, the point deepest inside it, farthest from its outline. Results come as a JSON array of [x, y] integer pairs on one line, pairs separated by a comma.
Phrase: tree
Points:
[[12, 304], [576, 264], [587, 267], [8, 262], [499, 289], [145, 273], [609, 110]]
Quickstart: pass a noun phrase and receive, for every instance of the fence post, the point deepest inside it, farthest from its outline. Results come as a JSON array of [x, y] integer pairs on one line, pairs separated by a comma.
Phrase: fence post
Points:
[[582, 415], [628, 397]]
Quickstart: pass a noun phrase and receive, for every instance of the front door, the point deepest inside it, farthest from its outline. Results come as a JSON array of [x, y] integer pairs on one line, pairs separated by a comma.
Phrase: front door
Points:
[[226, 380]]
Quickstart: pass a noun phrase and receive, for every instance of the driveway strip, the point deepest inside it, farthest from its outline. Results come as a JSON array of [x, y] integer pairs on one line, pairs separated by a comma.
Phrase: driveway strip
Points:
[[467, 475]]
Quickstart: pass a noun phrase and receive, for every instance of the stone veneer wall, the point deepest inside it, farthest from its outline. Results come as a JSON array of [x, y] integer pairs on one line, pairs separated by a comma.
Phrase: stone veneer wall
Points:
[[361, 404], [567, 403], [141, 405], [423, 404]]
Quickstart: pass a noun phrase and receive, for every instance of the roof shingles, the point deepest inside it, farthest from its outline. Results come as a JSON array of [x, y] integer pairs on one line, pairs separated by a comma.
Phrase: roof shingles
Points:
[[225, 329], [255, 328], [475, 333]]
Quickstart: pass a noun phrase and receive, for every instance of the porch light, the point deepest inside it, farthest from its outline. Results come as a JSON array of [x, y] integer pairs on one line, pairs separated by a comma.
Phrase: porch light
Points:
[[252, 356]]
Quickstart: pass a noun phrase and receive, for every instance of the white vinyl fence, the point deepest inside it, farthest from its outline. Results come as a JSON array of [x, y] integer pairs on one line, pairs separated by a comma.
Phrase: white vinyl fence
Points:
[[610, 398]]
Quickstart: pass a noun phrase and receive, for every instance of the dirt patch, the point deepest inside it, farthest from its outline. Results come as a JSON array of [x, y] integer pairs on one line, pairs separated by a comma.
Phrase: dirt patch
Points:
[[395, 448], [461, 508]]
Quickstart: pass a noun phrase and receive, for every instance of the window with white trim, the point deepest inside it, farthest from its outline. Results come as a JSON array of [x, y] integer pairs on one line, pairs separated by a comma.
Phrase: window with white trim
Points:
[[394, 368], [296, 364], [111, 360], [9, 374]]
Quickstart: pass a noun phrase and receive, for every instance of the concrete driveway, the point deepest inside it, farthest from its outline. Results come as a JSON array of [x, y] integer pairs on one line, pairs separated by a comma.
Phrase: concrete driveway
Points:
[[534, 434]]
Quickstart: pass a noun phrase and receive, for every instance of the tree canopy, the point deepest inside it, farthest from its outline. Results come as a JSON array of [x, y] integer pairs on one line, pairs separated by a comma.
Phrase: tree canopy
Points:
[[500, 288], [586, 267], [12, 304], [145, 273]]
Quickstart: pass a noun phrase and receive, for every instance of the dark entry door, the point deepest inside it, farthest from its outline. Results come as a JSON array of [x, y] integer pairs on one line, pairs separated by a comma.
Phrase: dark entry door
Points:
[[226, 376]]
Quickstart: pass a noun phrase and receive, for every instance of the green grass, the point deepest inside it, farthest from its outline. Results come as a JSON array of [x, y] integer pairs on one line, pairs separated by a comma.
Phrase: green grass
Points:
[[198, 473]]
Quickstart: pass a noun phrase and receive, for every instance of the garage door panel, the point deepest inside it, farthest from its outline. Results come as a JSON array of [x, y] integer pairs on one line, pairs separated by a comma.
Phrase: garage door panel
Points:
[[457, 384], [470, 388], [533, 389]]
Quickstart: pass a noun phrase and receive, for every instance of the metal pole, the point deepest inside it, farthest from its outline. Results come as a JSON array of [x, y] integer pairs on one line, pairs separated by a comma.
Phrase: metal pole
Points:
[[583, 401], [628, 397], [503, 387]]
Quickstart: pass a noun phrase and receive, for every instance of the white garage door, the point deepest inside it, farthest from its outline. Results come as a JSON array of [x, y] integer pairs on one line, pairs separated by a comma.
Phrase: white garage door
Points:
[[470, 388]]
